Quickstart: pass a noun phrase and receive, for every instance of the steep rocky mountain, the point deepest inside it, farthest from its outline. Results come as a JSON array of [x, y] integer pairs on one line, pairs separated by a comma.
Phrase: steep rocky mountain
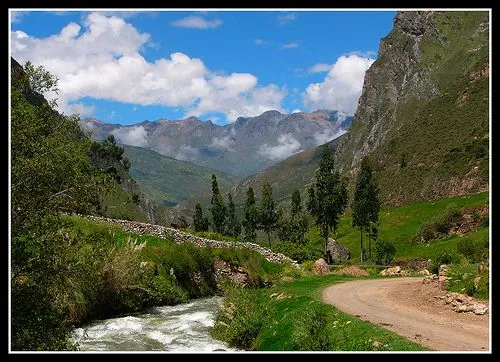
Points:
[[242, 148], [296, 171], [169, 181], [423, 115]]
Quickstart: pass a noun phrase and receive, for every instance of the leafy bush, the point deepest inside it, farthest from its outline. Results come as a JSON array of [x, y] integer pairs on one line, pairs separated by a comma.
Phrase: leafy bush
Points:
[[241, 318], [296, 251], [474, 252], [312, 330], [438, 227], [444, 257], [384, 252]]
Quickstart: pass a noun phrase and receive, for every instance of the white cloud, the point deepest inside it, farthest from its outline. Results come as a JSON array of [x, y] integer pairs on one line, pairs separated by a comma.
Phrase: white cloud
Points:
[[290, 45], [187, 153], [327, 135], [101, 59], [224, 142], [197, 22], [81, 109], [16, 16], [320, 68], [296, 110], [341, 88], [133, 136], [287, 146], [260, 42], [284, 19]]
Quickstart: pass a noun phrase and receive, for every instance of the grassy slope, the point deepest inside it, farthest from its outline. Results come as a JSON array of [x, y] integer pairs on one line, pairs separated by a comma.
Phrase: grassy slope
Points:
[[170, 181], [282, 318], [435, 135], [401, 223]]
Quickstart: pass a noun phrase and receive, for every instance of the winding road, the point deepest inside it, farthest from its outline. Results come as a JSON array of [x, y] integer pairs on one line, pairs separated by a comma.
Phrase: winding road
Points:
[[408, 308]]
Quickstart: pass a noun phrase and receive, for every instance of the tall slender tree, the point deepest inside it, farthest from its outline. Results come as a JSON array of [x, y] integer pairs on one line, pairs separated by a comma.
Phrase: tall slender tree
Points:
[[366, 205], [218, 209], [328, 196], [200, 222], [294, 227], [233, 223], [250, 222], [268, 216]]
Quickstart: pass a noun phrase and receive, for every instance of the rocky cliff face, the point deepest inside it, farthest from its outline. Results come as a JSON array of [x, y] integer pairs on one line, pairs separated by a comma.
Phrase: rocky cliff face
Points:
[[245, 147], [424, 98]]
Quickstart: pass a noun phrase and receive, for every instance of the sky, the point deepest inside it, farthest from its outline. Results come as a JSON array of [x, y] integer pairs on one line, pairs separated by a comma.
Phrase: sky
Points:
[[125, 67]]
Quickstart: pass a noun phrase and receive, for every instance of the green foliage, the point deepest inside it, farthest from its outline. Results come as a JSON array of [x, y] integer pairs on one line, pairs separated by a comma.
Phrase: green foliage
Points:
[[294, 227], [384, 252], [241, 318], [233, 223], [250, 222], [328, 197], [444, 257], [296, 251], [474, 251], [440, 226], [268, 216], [218, 209], [289, 317], [313, 329], [200, 222], [366, 204], [466, 278]]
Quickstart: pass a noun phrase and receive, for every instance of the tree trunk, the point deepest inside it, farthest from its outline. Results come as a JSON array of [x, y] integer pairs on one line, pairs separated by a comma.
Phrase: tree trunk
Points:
[[361, 251], [269, 239], [369, 245], [326, 244]]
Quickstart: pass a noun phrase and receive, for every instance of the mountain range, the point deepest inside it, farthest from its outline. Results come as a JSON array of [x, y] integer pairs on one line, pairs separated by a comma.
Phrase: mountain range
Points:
[[242, 148]]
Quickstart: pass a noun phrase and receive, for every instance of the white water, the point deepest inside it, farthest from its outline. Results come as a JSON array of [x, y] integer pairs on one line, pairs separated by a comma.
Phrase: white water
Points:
[[180, 328]]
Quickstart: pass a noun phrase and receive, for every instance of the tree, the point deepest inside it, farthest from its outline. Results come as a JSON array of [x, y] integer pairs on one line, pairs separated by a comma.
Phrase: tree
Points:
[[233, 223], [218, 209], [268, 216], [294, 227], [200, 222], [366, 204], [328, 196], [251, 216]]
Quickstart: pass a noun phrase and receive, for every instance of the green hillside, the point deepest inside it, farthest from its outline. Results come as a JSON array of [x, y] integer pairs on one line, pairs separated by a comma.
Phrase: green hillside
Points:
[[423, 116], [169, 181]]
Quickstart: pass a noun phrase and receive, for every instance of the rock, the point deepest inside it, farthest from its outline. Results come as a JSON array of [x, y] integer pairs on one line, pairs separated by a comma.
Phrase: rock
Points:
[[443, 282], [337, 252], [443, 269], [424, 272], [321, 267], [476, 281], [395, 270], [461, 308], [480, 309], [376, 344], [461, 298]]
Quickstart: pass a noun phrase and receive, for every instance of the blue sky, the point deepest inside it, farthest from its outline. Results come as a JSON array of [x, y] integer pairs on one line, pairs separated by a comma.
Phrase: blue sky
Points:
[[126, 67]]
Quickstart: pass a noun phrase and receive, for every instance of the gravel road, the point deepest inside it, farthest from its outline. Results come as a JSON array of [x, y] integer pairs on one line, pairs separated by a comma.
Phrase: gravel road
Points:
[[407, 307]]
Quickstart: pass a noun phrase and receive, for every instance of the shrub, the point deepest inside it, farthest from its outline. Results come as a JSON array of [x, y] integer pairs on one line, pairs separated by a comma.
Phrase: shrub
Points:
[[241, 318], [296, 251], [312, 330], [384, 252], [474, 252], [443, 257]]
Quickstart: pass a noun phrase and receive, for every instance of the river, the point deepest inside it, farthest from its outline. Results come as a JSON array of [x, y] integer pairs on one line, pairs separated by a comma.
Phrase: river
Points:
[[179, 328]]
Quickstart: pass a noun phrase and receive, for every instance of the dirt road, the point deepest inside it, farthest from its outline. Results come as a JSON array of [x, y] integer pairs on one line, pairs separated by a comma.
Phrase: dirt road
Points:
[[407, 307]]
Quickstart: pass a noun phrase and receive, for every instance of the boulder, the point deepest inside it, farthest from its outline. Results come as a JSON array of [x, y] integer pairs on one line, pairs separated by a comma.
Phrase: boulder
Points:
[[443, 282], [424, 272], [321, 267], [480, 309], [337, 252], [395, 270], [443, 270]]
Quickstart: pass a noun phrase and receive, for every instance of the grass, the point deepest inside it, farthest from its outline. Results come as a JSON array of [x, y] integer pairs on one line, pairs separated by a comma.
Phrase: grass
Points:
[[399, 224], [289, 324]]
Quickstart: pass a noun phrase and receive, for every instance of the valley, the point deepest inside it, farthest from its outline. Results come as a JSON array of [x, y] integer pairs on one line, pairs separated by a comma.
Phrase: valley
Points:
[[190, 208]]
